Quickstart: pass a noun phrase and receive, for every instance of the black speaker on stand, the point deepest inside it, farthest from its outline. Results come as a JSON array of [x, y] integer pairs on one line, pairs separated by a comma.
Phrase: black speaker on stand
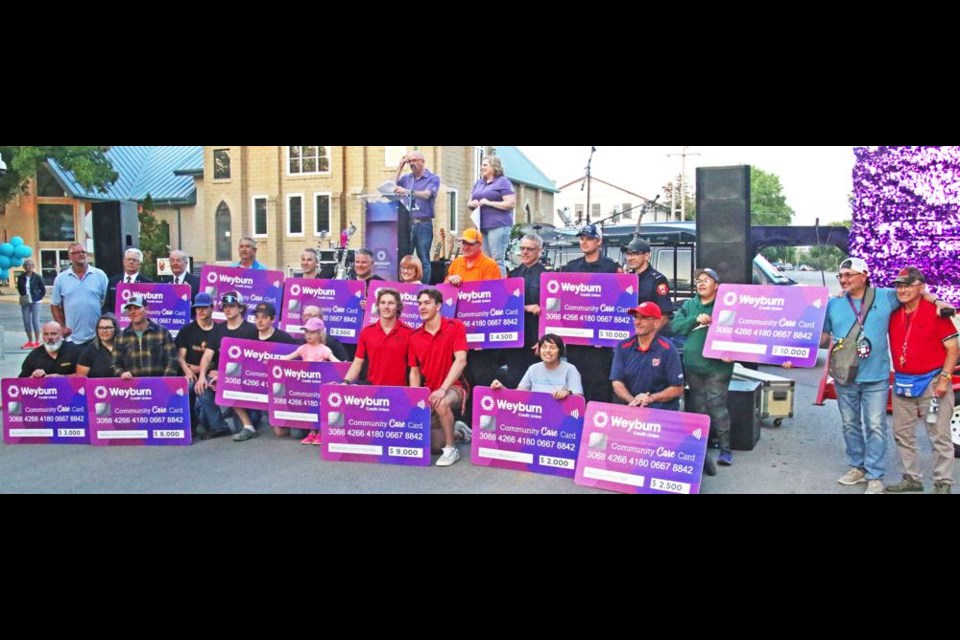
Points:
[[116, 228], [723, 223]]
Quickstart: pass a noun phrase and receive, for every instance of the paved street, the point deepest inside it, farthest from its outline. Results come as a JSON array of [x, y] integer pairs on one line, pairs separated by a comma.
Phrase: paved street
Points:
[[805, 455]]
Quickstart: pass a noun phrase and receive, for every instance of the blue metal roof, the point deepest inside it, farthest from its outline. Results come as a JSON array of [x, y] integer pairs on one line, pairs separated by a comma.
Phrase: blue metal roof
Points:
[[518, 168], [143, 170]]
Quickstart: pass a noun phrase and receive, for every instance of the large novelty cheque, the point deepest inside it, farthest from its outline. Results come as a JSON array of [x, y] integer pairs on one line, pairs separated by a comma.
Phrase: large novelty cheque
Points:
[[389, 425], [45, 411], [168, 305], [410, 315], [492, 312], [242, 372], [588, 308], [294, 391], [254, 285], [769, 325], [339, 302], [142, 411], [526, 431], [638, 450]]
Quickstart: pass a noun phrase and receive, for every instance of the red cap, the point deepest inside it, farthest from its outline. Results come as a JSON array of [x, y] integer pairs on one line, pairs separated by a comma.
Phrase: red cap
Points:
[[647, 310]]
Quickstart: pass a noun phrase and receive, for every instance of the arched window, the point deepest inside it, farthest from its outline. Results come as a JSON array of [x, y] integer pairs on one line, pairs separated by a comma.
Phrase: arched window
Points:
[[223, 224]]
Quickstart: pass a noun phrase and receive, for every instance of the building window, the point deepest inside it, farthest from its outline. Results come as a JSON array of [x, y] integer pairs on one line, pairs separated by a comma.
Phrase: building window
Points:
[[596, 212], [295, 215], [259, 216], [224, 223], [47, 185], [478, 155], [392, 155], [453, 202], [304, 160], [56, 223], [579, 211], [321, 212], [221, 164]]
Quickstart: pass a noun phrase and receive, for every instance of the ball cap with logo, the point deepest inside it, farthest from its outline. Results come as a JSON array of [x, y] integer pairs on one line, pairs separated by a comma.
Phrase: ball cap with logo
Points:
[[910, 275], [135, 301], [472, 236], [646, 310], [591, 231]]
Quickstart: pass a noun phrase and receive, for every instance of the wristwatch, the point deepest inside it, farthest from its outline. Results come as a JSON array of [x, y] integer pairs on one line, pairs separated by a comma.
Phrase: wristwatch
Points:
[[944, 374]]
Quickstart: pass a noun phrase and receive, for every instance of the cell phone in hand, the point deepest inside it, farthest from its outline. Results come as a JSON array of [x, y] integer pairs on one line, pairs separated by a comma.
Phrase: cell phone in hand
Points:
[[947, 312]]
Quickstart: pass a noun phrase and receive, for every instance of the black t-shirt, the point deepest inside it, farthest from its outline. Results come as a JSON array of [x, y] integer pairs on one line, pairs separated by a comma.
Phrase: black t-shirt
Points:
[[65, 364], [603, 265], [99, 359], [278, 336], [246, 331], [194, 339]]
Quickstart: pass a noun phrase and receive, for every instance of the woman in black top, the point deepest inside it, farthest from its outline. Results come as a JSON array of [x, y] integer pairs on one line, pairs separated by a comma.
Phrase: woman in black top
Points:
[[96, 361]]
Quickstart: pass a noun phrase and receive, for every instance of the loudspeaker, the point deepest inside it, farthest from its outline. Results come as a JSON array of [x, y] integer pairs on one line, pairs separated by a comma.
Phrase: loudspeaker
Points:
[[743, 397], [723, 223], [116, 228]]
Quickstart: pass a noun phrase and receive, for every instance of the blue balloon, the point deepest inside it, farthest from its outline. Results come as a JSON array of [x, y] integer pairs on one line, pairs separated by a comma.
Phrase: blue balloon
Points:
[[16, 241], [4, 262], [16, 262], [6, 249], [4, 274], [22, 251]]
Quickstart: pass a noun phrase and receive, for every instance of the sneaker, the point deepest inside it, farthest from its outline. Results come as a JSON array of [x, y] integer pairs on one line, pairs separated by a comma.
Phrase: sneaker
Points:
[[856, 475], [245, 434], [448, 457], [316, 439], [310, 439], [874, 487], [218, 433], [709, 467], [942, 487], [27, 345], [907, 484], [463, 430], [725, 458]]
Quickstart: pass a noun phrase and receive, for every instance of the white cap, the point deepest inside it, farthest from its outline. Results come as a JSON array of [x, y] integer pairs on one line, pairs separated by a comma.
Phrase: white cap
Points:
[[856, 265]]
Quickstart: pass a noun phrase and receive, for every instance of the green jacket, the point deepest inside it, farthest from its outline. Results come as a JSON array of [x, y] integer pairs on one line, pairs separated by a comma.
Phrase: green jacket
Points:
[[684, 323]]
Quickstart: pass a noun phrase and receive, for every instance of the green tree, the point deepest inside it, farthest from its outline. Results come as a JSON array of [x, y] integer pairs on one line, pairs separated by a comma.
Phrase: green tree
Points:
[[89, 165], [671, 194], [154, 237], [768, 205]]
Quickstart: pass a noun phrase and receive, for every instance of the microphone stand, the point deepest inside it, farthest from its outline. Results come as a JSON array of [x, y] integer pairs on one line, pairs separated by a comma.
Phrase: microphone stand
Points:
[[587, 181]]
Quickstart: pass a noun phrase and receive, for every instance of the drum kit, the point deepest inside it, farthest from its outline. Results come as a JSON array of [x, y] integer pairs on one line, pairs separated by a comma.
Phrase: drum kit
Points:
[[556, 242]]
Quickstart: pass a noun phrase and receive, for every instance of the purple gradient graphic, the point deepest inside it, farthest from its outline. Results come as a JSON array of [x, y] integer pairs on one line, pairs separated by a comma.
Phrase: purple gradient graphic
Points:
[[143, 411], [293, 389], [167, 304], [906, 212], [588, 309], [44, 411], [255, 285], [769, 325], [408, 294], [339, 300], [636, 450], [242, 379], [382, 239], [387, 425], [526, 431], [492, 311]]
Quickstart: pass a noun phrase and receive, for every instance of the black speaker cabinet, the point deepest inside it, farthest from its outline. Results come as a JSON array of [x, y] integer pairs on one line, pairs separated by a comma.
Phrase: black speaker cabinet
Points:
[[116, 228], [742, 400], [723, 223]]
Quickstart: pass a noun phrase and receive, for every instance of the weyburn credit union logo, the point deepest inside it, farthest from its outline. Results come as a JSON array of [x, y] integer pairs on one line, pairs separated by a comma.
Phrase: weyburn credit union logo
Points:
[[334, 400], [13, 391], [553, 286], [294, 289], [730, 298], [234, 352], [212, 278], [486, 403], [100, 393], [601, 419], [277, 372]]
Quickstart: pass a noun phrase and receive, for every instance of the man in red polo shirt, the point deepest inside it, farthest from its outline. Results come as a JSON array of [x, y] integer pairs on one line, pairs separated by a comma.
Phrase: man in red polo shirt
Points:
[[438, 356], [385, 344], [925, 350]]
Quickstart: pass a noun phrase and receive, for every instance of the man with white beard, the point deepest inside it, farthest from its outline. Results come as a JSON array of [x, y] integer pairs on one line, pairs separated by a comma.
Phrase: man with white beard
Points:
[[52, 358]]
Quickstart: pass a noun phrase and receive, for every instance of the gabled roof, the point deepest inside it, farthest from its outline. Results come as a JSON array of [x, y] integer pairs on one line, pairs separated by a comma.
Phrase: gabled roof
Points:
[[166, 173], [519, 169], [609, 184]]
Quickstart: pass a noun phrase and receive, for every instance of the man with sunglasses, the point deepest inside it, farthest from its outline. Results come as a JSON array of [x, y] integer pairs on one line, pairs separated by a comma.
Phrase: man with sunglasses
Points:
[[419, 189], [78, 295], [863, 403]]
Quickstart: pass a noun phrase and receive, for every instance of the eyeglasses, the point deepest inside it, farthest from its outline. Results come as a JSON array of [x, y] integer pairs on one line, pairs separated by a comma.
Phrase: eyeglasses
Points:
[[902, 285], [78, 253], [522, 249], [107, 328], [847, 276], [703, 281], [229, 300]]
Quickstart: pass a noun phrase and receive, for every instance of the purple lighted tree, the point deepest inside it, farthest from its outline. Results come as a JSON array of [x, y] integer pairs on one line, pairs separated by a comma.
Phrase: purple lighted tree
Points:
[[906, 212]]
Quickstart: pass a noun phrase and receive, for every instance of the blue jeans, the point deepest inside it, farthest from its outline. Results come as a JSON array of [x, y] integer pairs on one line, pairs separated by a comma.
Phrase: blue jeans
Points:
[[495, 242], [31, 319], [863, 411], [421, 239], [209, 413]]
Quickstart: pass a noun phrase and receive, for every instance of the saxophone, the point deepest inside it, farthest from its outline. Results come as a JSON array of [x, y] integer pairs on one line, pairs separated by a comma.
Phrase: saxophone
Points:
[[345, 236]]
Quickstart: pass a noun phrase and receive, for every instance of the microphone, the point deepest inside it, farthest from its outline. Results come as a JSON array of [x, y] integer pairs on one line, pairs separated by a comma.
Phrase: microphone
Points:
[[657, 198], [593, 149]]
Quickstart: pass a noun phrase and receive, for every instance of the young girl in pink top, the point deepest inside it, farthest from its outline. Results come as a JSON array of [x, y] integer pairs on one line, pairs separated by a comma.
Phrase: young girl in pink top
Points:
[[313, 351]]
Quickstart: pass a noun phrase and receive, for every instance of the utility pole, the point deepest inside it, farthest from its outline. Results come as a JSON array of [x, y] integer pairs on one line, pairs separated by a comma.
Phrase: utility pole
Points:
[[683, 181]]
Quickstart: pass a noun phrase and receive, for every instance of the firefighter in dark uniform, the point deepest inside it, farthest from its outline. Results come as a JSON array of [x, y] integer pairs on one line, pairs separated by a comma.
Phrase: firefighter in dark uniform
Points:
[[593, 362], [653, 285]]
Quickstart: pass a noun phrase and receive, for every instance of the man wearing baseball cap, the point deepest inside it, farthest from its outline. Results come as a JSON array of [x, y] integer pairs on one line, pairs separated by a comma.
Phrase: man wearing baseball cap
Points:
[[652, 285], [191, 342], [593, 363], [473, 264], [144, 349], [925, 352], [860, 320], [646, 369], [708, 378]]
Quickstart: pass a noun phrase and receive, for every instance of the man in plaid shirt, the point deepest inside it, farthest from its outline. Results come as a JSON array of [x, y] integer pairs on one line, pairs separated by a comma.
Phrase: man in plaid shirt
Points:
[[144, 349]]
